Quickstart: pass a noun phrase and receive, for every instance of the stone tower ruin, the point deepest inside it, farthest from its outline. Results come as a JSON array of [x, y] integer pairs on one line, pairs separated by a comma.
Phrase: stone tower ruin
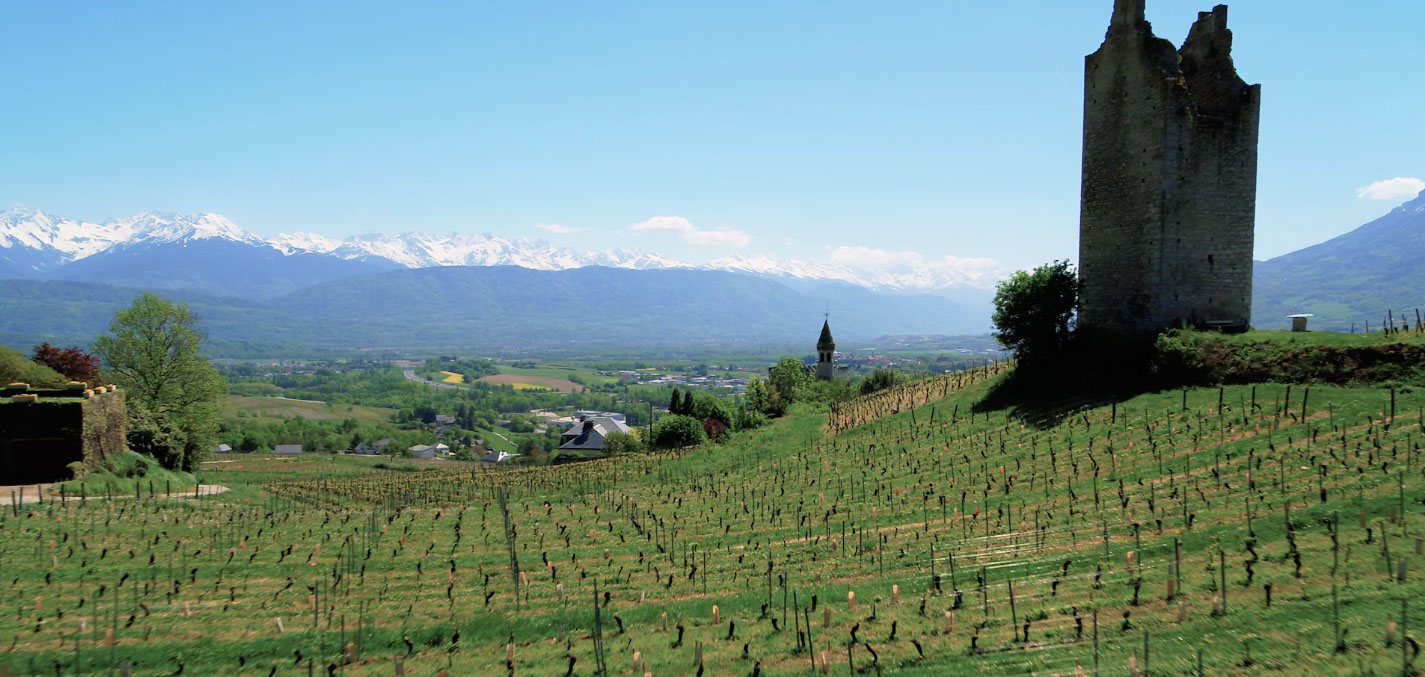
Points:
[[1168, 200]]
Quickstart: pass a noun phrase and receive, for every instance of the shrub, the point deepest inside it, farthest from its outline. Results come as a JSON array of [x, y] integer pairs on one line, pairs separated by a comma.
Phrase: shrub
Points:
[[881, 379], [622, 443], [678, 431]]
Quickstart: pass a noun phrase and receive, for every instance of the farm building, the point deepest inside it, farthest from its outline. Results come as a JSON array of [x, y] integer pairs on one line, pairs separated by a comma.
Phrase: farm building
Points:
[[588, 436], [429, 450], [376, 448], [222, 449], [498, 457], [287, 449]]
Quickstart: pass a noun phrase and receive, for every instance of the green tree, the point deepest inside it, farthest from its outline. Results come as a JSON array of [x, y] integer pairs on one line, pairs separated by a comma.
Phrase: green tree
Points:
[[678, 431], [704, 406], [173, 395], [617, 444], [1034, 311], [786, 382]]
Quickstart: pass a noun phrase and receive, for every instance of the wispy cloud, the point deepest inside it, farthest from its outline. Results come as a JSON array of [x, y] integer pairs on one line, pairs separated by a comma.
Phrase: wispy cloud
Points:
[[723, 237], [1389, 189], [556, 228]]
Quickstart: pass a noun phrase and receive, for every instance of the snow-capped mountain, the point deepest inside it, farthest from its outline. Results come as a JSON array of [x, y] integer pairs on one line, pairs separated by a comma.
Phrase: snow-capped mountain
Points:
[[150, 227], [208, 252], [421, 250], [67, 240], [38, 241]]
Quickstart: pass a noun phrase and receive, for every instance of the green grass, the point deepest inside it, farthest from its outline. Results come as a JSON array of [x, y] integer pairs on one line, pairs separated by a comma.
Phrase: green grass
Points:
[[278, 408], [121, 474], [418, 556], [493, 441], [1318, 338]]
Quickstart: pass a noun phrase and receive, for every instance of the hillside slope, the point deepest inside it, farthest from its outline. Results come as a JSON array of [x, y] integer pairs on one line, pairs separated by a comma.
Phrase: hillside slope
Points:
[[1353, 278]]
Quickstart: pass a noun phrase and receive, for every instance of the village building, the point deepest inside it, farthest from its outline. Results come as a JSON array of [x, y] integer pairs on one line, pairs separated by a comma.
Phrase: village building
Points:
[[376, 448], [587, 437], [429, 450]]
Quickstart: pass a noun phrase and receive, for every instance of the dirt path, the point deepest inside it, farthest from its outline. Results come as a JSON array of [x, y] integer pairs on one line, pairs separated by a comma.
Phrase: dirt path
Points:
[[30, 493]]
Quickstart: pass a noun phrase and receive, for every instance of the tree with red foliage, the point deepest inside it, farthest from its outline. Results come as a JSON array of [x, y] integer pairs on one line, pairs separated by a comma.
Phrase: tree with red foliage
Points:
[[73, 363]]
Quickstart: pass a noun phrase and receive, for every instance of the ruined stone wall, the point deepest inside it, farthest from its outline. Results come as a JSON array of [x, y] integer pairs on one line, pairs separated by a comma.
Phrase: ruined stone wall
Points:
[[38, 440], [105, 425], [1168, 199]]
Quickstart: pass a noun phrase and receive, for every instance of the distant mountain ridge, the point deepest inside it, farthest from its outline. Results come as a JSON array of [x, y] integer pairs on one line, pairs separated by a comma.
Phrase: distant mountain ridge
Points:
[[1352, 279], [36, 245], [496, 307]]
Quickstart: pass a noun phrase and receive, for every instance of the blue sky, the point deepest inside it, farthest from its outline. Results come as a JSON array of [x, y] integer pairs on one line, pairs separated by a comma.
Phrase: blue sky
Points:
[[784, 128]]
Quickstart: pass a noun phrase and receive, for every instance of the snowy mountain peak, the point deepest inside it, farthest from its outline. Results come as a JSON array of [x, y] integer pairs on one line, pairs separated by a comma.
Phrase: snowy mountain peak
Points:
[[151, 227], [299, 243], [65, 239]]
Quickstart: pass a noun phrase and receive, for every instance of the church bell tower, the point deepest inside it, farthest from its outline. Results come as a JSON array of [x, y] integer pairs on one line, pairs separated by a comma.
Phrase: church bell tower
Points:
[[825, 350]]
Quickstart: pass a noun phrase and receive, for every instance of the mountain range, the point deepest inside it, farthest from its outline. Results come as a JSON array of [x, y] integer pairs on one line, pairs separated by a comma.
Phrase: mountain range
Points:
[[211, 254], [61, 280]]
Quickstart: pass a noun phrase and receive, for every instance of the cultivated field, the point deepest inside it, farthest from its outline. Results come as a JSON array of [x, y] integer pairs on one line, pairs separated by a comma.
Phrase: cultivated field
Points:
[[1256, 529], [279, 407], [558, 371], [530, 382]]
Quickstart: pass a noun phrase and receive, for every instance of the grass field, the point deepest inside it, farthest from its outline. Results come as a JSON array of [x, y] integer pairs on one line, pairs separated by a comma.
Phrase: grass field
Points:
[[276, 407], [493, 441], [1323, 338], [910, 535]]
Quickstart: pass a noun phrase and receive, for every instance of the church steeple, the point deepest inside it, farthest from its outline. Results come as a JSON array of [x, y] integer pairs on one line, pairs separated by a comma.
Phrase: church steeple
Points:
[[825, 352]]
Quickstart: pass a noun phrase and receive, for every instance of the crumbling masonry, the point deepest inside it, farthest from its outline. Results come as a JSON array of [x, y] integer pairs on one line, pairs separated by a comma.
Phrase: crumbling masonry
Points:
[[1168, 200]]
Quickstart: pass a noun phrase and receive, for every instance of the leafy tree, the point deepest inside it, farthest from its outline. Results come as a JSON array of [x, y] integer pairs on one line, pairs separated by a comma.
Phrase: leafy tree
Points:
[[173, 395], [73, 363], [757, 397], [677, 430], [616, 444], [1034, 311], [708, 407], [749, 418], [786, 382]]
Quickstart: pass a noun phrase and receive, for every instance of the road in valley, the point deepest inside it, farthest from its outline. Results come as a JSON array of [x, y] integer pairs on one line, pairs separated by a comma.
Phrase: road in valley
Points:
[[410, 375]]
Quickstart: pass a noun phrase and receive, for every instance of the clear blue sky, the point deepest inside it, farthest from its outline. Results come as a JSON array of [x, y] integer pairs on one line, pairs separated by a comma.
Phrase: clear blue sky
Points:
[[943, 128]]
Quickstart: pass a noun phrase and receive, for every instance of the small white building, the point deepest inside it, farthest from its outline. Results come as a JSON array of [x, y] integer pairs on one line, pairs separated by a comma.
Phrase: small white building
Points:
[[498, 457], [429, 450]]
